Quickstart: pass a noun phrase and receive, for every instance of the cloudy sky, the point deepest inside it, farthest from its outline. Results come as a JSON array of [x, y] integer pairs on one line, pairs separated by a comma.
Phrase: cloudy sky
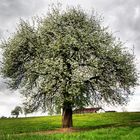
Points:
[[123, 18]]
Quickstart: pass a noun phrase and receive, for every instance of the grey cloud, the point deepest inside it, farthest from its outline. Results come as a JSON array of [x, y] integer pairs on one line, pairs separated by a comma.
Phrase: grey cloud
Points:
[[8, 100], [126, 15], [15, 8], [9, 97], [1, 32]]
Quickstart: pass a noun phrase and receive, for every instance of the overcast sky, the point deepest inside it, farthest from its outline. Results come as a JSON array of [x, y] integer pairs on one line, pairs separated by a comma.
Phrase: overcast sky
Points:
[[122, 16]]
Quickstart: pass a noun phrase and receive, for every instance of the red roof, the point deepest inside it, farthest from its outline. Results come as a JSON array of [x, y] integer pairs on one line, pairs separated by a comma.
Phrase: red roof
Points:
[[87, 110]]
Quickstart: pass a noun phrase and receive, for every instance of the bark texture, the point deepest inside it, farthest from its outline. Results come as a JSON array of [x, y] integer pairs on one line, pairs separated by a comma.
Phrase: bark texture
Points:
[[67, 118]]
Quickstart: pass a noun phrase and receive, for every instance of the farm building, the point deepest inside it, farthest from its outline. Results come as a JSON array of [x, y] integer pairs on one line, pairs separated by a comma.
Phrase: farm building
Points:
[[88, 110]]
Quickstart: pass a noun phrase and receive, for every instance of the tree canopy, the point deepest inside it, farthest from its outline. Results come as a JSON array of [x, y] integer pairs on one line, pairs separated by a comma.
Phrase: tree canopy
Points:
[[16, 111], [68, 59]]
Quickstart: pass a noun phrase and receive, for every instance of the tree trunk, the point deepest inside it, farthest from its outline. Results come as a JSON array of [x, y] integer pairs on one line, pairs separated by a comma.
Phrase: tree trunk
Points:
[[67, 118]]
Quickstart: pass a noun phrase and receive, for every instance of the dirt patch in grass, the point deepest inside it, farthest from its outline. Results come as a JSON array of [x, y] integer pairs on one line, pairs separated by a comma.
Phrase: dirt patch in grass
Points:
[[59, 130], [56, 131]]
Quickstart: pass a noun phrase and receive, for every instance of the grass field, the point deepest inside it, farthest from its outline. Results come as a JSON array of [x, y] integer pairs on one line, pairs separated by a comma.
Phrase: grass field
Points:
[[104, 126]]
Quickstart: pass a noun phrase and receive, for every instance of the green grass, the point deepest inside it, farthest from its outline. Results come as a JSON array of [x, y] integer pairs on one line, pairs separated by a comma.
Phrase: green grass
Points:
[[104, 126]]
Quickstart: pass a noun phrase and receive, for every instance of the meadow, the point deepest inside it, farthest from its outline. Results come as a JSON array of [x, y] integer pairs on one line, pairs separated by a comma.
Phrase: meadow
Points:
[[95, 126]]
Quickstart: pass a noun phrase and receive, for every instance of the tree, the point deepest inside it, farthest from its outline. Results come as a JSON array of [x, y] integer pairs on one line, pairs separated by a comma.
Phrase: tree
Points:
[[3, 117], [16, 111], [68, 59]]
